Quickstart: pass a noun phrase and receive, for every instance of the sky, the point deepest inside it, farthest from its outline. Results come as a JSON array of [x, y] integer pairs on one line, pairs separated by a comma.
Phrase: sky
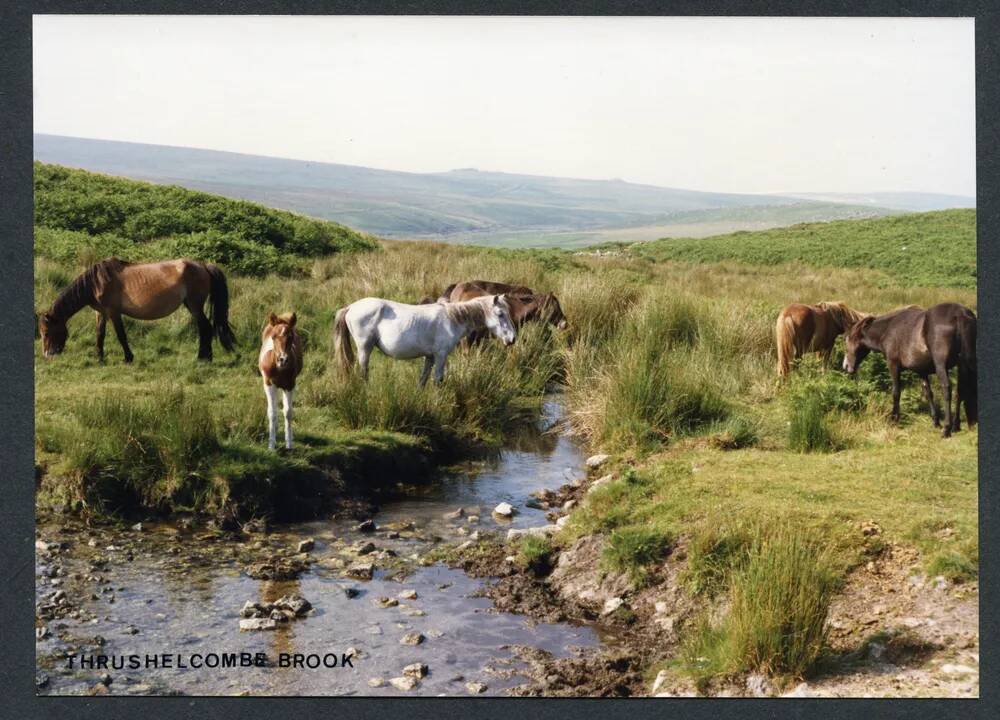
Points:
[[716, 104]]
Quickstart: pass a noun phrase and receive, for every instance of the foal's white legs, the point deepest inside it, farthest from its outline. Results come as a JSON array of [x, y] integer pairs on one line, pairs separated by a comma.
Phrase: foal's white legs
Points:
[[270, 391], [286, 406]]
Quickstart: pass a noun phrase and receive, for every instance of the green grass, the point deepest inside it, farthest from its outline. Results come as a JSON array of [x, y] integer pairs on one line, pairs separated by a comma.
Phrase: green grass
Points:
[[634, 550], [779, 598], [535, 554], [916, 249]]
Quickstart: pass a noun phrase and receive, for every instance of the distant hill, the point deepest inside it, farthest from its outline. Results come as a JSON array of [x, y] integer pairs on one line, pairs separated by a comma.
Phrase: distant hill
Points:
[[933, 249], [81, 217], [464, 205], [910, 201]]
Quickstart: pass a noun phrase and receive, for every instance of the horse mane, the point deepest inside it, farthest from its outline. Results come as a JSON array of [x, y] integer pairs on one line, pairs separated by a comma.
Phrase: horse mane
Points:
[[82, 290], [469, 312], [842, 313]]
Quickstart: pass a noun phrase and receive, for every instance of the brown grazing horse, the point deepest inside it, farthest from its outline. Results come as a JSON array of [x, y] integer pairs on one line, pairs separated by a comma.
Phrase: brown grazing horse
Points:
[[280, 362], [525, 304], [146, 291], [811, 328], [924, 341]]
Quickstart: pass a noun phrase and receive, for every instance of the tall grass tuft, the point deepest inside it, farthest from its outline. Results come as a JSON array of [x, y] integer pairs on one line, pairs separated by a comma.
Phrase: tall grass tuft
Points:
[[779, 601], [808, 430]]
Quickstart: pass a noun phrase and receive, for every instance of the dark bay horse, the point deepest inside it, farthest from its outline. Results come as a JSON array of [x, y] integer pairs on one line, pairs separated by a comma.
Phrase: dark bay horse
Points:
[[146, 291], [280, 363], [525, 304], [801, 329], [924, 341]]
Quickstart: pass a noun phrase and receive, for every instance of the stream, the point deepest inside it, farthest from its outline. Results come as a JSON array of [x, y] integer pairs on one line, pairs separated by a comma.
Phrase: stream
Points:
[[166, 589]]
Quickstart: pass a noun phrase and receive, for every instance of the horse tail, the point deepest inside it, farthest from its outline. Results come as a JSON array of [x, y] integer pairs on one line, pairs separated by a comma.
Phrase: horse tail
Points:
[[342, 347], [784, 338], [219, 298], [968, 390]]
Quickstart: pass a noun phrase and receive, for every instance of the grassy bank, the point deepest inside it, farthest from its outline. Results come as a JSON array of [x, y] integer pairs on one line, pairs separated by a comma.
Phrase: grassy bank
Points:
[[915, 249]]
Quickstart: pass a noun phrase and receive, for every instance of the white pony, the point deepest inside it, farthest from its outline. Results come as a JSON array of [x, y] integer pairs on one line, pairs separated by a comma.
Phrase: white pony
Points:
[[406, 332]]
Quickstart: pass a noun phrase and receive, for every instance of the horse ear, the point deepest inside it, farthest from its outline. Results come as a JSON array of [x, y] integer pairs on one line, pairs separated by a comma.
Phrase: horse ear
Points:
[[866, 322], [496, 299], [272, 319], [292, 319]]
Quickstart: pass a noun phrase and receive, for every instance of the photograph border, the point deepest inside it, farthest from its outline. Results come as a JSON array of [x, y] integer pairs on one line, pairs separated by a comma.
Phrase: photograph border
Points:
[[17, 354]]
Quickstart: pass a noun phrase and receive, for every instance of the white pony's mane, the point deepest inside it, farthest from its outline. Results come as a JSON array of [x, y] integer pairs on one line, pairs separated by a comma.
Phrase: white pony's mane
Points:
[[470, 312]]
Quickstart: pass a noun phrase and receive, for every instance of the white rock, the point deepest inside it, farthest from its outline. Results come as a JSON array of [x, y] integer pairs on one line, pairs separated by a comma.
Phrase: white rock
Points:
[[562, 522], [403, 683], [475, 687], [661, 678], [568, 505], [248, 624], [376, 682], [759, 686], [504, 510], [539, 531], [956, 669], [611, 604], [595, 461], [661, 606], [415, 670], [408, 595], [600, 482], [800, 690]]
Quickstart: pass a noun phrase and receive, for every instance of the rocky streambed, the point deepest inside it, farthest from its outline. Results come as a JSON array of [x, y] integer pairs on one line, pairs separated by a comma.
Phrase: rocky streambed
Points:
[[351, 605]]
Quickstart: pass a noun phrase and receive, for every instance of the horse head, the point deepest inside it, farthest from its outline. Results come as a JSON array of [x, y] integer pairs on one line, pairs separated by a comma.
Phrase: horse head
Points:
[[856, 349], [281, 332], [54, 334], [552, 312], [499, 321]]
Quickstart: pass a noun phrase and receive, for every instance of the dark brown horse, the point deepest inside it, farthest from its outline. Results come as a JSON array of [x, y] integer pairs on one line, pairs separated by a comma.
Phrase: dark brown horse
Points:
[[525, 304], [803, 329], [280, 363], [924, 341], [146, 291]]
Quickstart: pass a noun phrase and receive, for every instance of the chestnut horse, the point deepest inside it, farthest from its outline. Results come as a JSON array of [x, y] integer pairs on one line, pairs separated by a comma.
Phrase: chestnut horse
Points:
[[811, 328], [280, 362], [525, 304], [924, 341], [146, 291]]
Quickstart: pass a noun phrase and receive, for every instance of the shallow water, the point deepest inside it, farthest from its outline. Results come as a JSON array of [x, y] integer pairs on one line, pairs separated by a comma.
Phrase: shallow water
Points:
[[189, 602]]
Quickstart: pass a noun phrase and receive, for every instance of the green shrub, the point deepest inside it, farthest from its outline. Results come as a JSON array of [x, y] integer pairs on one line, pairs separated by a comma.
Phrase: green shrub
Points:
[[632, 550]]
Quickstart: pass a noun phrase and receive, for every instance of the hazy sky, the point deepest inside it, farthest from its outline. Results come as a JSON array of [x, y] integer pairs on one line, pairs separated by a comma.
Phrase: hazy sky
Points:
[[741, 105]]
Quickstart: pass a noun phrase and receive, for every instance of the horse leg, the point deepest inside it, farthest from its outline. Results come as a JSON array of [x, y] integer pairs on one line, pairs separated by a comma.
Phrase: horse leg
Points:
[[204, 331], [439, 363], [272, 415], [116, 320], [957, 417], [426, 372], [945, 381], [286, 408], [102, 328], [929, 397], [894, 374]]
